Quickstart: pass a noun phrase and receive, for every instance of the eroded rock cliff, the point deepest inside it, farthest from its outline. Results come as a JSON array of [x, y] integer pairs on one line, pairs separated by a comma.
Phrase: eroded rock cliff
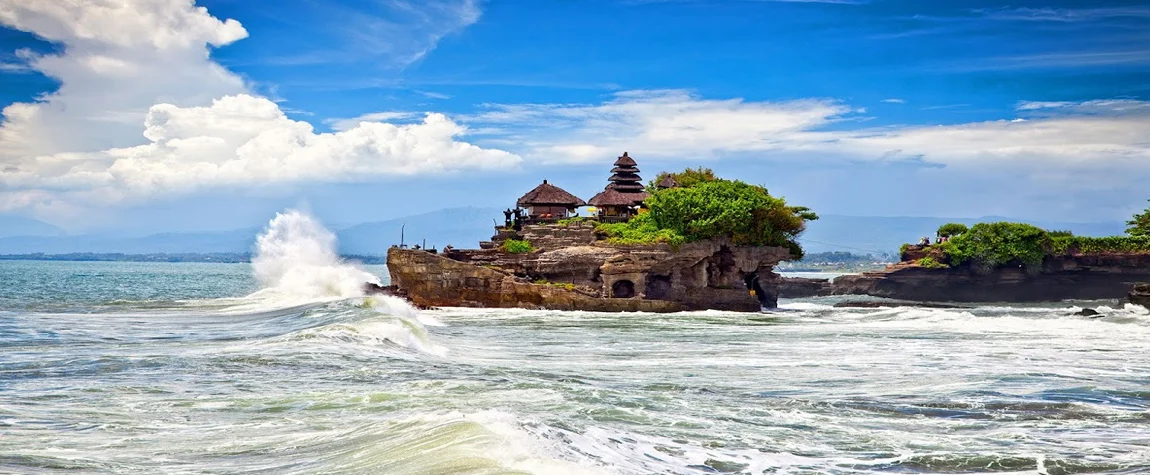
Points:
[[573, 271], [1098, 276]]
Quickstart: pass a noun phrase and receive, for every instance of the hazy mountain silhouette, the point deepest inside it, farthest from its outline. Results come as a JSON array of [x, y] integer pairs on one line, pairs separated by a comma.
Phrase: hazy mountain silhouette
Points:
[[465, 227], [21, 226]]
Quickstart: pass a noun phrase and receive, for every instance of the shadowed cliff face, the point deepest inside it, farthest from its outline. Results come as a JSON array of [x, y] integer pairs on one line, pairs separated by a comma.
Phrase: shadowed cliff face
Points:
[[1103, 276], [593, 276]]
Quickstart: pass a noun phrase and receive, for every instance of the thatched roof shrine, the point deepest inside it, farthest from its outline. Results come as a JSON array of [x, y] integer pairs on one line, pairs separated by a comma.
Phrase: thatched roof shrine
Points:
[[548, 194]]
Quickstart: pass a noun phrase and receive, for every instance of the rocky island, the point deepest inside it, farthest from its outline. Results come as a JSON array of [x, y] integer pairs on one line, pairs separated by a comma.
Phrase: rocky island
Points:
[[1004, 262], [685, 241], [693, 241]]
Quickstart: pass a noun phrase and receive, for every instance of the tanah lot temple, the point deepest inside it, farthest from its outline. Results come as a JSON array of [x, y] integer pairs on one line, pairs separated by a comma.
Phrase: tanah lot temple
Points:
[[536, 261], [619, 201]]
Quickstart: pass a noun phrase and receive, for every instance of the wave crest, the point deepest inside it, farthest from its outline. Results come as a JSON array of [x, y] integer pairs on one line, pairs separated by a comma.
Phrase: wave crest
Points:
[[296, 256]]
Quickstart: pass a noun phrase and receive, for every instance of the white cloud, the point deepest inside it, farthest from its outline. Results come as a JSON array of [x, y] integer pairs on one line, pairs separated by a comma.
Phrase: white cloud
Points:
[[895, 101], [385, 32], [346, 124], [1075, 145], [1066, 14], [130, 62], [119, 58], [667, 123], [239, 141]]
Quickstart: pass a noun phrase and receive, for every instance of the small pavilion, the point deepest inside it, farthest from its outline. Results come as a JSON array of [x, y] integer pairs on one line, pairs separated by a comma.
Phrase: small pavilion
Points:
[[668, 181], [548, 202], [624, 192]]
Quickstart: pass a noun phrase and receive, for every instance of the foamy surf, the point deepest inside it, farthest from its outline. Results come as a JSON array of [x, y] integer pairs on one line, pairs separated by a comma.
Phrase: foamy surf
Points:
[[296, 258]]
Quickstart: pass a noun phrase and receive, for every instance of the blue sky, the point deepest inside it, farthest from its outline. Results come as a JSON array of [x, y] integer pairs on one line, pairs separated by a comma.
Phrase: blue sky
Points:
[[160, 116]]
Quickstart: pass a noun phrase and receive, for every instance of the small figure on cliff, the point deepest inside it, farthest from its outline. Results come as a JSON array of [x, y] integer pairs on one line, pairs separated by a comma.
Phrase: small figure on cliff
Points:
[[518, 223], [925, 241], [507, 218]]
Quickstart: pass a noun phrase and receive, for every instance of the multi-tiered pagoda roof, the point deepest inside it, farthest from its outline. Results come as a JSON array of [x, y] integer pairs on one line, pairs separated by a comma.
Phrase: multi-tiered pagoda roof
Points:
[[624, 188]]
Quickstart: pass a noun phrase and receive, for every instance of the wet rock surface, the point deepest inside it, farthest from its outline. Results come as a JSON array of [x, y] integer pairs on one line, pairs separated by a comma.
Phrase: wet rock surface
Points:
[[591, 275], [1088, 277]]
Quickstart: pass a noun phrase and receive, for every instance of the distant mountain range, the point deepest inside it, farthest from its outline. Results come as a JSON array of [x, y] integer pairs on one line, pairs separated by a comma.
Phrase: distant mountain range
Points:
[[20, 226], [465, 227], [461, 227]]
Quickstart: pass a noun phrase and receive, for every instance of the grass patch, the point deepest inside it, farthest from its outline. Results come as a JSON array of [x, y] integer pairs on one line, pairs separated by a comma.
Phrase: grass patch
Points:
[[516, 246], [562, 285]]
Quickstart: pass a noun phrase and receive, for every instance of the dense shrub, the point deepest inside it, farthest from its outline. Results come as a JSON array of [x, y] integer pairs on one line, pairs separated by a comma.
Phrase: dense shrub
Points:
[[989, 245], [686, 178], [931, 263], [711, 208], [746, 214], [1139, 225], [515, 246], [1063, 245], [952, 229], [640, 230]]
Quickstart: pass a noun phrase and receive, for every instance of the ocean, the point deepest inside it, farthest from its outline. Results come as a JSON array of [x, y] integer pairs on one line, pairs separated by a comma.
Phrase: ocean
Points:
[[282, 367]]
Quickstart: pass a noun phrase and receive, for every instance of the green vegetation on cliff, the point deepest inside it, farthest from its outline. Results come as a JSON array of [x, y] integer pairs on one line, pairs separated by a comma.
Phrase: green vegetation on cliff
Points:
[[515, 246], [640, 231], [686, 178], [949, 230], [1139, 225], [986, 246], [705, 207]]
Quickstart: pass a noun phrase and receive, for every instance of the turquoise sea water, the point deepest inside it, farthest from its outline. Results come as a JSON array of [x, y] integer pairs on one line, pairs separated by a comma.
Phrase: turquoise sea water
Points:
[[204, 368]]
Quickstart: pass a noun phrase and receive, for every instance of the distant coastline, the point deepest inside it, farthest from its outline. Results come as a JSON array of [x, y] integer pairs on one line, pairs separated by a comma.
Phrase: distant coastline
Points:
[[217, 257]]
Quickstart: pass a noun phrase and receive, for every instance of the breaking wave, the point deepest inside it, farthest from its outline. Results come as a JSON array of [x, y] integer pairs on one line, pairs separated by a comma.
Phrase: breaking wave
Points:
[[296, 257]]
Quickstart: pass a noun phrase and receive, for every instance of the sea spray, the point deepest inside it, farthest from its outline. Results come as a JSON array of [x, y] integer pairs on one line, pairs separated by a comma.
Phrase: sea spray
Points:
[[296, 261], [297, 256]]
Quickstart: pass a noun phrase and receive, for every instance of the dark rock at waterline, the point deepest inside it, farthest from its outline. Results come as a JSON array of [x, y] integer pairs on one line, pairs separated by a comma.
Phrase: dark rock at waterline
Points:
[[1140, 294], [1067, 277], [888, 303], [371, 288], [393, 291], [1088, 312], [801, 287]]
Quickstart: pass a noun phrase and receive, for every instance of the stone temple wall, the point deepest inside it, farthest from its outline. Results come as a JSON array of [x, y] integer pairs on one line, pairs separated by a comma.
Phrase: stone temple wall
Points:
[[548, 236]]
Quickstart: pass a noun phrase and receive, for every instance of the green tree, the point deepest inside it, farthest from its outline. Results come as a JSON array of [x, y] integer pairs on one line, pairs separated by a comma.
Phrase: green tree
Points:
[[952, 229], [745, 213], [686, 178], [1140, 224], [989, 245]]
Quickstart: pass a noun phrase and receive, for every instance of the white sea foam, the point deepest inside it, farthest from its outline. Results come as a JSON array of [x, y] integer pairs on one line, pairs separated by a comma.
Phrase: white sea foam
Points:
[[296, 257]]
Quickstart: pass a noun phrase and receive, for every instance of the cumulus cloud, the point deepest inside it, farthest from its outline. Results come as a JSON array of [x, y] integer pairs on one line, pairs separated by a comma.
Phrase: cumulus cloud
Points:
[[345, 124], [119, 58], [143, 110], [243, 140]]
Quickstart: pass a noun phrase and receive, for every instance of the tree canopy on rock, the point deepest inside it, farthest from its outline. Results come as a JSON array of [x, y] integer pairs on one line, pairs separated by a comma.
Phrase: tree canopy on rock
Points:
[[1139, 225], [705, 207], [952, 229]]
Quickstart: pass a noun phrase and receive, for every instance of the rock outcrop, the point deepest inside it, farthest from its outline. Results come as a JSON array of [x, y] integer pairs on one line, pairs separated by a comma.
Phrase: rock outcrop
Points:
[[570, 270], [1096, 276], [799, 287], [1140, 294]]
